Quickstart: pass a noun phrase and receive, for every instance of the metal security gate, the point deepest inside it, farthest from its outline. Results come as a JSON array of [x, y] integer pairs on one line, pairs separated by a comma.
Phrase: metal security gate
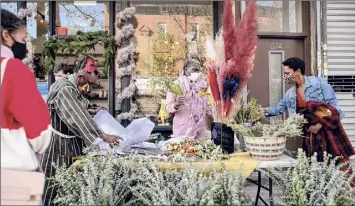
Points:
[[340, 37]]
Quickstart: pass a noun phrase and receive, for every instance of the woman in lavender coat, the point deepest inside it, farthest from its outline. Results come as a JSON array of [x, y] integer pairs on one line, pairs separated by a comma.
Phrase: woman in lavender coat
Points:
[[190, 110]]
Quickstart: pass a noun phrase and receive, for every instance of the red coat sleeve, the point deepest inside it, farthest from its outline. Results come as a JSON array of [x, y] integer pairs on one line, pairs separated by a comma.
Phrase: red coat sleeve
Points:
[[27, 105]]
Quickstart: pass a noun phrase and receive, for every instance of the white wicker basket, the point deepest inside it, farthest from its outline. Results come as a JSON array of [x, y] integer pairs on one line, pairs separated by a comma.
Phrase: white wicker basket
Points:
[[265, 148]]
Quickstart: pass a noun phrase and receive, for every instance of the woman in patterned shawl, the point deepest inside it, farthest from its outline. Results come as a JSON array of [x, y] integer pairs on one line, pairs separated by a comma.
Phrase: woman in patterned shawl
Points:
[[190, 110], [74, 128]]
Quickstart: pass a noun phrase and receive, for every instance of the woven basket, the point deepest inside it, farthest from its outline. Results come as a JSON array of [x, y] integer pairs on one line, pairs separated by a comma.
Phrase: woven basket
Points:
[[265, 148]]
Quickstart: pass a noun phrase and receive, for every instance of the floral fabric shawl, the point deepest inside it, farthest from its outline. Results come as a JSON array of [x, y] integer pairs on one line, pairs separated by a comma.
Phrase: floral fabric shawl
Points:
[[199, 105]]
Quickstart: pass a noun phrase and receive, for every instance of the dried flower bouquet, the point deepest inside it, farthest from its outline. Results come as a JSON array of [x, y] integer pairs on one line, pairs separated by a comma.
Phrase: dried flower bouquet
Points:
[[195, 150], [230, 56]]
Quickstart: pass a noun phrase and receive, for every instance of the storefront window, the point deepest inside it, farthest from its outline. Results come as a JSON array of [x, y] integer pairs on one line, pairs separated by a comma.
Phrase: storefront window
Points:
[[182, 24], [195, 32], [280, 16], [10, 6], [168, 33], [37, 28], [81, 16]]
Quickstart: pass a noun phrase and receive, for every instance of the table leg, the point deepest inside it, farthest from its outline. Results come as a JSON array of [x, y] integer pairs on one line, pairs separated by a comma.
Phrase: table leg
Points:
[[259, 188], [270, 192]]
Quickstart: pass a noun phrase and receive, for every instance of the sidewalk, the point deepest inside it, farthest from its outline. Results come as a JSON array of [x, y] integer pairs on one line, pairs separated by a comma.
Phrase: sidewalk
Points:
[[251, 190]]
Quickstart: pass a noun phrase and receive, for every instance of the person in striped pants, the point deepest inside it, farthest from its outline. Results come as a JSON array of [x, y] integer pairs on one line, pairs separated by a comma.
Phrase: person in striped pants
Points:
[[73, 126]]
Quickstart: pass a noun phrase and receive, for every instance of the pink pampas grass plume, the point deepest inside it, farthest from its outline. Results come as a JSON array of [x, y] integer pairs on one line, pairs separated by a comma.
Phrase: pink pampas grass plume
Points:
[[229, 30], [245, 45]]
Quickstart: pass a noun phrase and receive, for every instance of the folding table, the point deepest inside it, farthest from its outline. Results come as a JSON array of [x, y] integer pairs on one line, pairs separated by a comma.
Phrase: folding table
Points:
[[284, 162]]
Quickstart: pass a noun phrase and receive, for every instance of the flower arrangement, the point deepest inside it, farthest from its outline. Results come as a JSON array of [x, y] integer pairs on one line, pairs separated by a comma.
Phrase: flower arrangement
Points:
[[313, 183], [195, 150], [291, 127], [136, 180], [230, 58], [251, 114]]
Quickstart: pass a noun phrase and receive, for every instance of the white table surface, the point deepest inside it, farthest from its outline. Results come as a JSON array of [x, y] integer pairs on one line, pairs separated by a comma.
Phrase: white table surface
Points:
[[284, 162]]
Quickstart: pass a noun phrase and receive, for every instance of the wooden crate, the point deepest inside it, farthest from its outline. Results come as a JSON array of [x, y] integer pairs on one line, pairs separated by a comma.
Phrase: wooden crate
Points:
[[21, 187]]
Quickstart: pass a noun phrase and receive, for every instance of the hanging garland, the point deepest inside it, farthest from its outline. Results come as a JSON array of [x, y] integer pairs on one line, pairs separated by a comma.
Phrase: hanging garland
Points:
[[22, 13], [127, 56], [79, 44]]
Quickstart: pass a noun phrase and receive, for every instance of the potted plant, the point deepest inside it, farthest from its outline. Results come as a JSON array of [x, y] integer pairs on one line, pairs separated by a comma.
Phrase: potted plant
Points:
[[248, 116], [268, 141]]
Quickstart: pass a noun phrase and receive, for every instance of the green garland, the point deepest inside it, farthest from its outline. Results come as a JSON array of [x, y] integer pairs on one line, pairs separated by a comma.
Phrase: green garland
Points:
[[79, 44]]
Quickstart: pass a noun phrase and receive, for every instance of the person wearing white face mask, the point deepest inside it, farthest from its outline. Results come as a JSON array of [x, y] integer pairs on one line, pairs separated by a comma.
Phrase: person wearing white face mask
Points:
[[62, 70], [59, 71], [194, 76], [190, 110]]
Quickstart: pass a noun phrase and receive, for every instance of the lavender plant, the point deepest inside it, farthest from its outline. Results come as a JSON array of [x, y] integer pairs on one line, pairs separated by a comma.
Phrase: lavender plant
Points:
[[313, 183], [136, 180]]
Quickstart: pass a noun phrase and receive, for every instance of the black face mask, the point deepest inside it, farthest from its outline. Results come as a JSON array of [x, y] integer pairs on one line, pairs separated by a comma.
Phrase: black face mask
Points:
[[19, 49]]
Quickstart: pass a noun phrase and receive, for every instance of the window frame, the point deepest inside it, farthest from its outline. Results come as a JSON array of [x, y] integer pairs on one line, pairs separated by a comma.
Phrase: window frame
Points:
[[197, 26], [165, 28]]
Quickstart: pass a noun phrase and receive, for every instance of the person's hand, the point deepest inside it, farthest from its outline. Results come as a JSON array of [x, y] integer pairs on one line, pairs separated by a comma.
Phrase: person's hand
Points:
[[265, 111], [95, 111], [315, 128], [99, 109], [180, 101], [113, 140]]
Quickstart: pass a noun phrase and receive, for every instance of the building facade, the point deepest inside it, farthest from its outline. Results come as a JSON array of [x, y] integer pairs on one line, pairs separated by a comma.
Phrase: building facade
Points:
[[338, 49], [320, 32]]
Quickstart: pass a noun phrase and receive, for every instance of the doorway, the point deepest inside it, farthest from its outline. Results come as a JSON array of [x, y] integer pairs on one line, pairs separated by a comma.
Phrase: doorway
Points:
[[266, 83]]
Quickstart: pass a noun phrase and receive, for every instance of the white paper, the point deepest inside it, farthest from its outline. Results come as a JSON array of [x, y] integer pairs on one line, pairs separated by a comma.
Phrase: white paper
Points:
[[145, 145], [136, 132]]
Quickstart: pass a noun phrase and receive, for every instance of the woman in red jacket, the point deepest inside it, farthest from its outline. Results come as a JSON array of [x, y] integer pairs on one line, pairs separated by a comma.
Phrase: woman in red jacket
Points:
[[25, 120]]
